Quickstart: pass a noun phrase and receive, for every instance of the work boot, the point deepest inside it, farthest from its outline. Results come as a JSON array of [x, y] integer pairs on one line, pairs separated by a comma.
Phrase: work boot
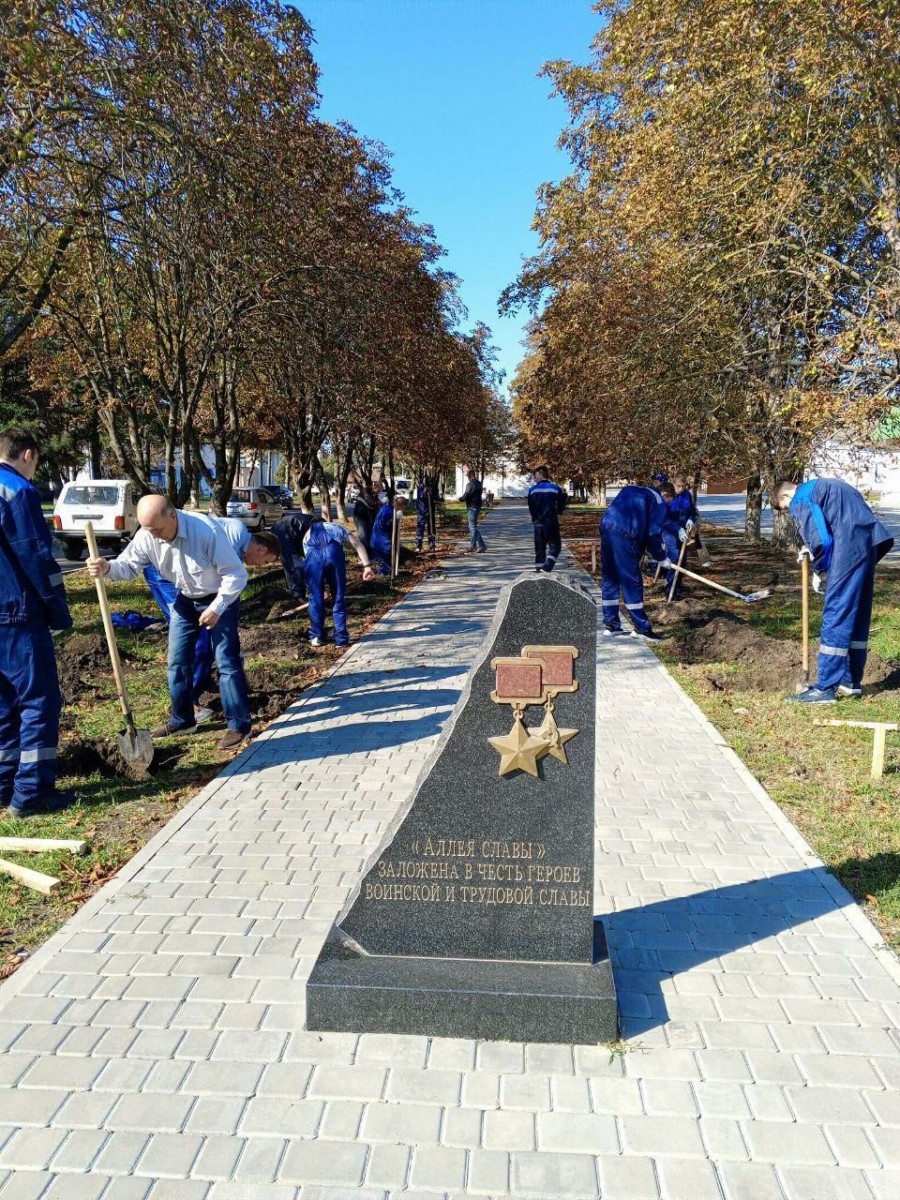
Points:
[[647, 636], [54, 801], [169, 730], [233, 738], [613, 631], [846, 691], [813, 695]]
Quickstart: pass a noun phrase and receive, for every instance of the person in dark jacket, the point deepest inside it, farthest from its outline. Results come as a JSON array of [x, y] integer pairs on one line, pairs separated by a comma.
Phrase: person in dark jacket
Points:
[[546, 501], [365, 510], [632, 524], [845, 541], [681, 517], [472, 499], [32, 603], [426, 507]]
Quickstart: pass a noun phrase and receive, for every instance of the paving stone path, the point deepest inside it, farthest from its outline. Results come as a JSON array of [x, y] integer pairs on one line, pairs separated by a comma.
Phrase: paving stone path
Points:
[[155, 1046]]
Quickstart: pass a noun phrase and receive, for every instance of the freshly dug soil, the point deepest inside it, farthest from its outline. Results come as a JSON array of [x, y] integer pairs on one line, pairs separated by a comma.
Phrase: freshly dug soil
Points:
[[745, 659], [82, 756], [83, 664], [284, 641]]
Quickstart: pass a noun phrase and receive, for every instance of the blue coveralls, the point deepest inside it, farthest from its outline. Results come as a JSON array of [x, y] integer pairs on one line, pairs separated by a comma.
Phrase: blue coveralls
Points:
[[325, 563], [425, 501], [546, 500], [32, 602], [380, 545], [680, 510], [290, 531], [164, 594], [846, 540], [632, 524]]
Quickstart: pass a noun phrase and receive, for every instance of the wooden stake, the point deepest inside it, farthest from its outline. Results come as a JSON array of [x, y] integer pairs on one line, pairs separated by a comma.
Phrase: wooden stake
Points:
[[594, 558], [33, 879], [880, 728], [681, 554], [804, 606], [36, 845]]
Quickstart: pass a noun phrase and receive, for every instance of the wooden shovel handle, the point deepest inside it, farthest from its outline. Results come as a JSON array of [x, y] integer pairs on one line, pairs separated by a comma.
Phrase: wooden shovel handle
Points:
[[110, 632], [804, 609], [682, 552]]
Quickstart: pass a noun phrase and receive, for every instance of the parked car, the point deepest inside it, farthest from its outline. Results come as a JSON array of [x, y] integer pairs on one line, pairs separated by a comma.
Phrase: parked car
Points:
[[255, 506], [283, 495], [110, 504], [402, 487]]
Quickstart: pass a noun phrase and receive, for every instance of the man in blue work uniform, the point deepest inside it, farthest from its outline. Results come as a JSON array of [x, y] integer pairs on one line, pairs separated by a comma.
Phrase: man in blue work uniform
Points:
[[32, 602], [632, 524], [681, 517], [426, 503], [324, 563], [382, 532], [546, 501], [845, 541]]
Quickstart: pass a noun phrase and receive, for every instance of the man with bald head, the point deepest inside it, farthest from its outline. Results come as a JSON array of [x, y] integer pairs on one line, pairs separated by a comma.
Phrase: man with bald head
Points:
[[194, 553]]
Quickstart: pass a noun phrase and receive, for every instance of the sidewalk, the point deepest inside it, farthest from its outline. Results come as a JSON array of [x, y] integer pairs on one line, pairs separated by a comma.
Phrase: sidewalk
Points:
[[155, 1046]]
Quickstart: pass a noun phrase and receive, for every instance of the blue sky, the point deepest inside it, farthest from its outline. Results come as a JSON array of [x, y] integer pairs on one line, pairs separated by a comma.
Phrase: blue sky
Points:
[[451, 89]]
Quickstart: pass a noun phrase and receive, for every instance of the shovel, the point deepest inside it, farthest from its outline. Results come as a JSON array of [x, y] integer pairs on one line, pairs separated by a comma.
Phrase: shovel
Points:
[[681, 554], [750, 598], [135, 745], [804, 608]]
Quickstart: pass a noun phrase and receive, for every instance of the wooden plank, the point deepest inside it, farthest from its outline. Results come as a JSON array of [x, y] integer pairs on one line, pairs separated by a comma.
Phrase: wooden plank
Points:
[[886, 725], [37, 845], [33, 879]]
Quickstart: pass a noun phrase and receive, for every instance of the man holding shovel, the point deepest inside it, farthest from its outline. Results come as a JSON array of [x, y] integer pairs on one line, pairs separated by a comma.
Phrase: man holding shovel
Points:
[[32, 603], [631, 525], [845, 541], [195, 554]]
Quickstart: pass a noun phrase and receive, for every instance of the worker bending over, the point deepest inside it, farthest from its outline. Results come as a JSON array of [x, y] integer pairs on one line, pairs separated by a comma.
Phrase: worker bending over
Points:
[[631, 525], [845, 541], [681, 517]]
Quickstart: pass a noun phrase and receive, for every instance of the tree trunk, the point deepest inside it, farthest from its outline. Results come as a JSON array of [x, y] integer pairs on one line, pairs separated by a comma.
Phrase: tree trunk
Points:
[[753, 520]]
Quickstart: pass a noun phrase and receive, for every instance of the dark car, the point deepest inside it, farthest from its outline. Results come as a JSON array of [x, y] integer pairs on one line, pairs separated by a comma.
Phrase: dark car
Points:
[[283, 495]]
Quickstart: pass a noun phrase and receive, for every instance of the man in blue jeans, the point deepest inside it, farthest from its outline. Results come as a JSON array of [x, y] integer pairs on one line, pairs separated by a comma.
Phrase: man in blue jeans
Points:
[[472, 499], [194, 553]]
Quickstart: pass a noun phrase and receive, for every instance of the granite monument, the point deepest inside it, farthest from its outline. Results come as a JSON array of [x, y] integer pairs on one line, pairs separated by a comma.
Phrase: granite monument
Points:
[[476, 916]]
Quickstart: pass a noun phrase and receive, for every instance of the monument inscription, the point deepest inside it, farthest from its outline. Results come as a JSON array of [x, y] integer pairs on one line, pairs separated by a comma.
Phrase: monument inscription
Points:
[[483, 888]]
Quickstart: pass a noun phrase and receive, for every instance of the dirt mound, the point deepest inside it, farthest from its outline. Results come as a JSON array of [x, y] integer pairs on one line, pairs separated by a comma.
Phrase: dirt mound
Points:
[[750, 660], [745, 659], [83, 664], [282, 642], [83, 756]]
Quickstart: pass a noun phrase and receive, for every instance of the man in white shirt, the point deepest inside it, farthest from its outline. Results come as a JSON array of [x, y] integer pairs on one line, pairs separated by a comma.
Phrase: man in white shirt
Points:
[[195, 554]]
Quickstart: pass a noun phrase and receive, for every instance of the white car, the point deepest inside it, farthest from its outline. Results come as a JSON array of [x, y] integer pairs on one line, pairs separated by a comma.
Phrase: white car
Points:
[[402, 487], [256, 507], [109, 504]]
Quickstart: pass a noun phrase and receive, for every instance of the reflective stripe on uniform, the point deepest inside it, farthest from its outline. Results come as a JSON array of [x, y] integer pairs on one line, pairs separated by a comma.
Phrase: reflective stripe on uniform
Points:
[[835, 650], [42, 754], [859, 645], [56, 579], [634, 607], [9, 755]]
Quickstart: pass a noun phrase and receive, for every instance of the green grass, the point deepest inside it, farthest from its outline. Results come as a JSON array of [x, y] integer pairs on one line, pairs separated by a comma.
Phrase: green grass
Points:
[[820, 776], [115, 815]]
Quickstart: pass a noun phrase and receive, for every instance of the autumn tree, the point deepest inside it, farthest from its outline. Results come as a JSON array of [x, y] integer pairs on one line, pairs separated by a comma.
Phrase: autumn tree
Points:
[[718, 269]]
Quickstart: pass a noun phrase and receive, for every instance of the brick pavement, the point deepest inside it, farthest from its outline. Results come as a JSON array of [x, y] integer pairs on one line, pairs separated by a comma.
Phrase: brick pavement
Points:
[[154, 1048]]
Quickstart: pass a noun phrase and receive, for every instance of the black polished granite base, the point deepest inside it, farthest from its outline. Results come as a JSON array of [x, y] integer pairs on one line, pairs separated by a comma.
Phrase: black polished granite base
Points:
[[570, 1003]]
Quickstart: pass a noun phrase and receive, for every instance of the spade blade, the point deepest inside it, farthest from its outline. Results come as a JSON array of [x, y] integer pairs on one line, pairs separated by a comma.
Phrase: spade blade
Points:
[[136, 748]]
